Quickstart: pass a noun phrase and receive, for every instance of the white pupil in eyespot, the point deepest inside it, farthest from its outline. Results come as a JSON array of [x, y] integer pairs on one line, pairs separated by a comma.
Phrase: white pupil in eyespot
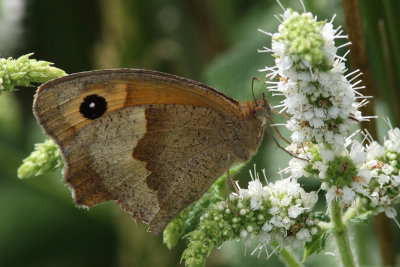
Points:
[[92, 105]]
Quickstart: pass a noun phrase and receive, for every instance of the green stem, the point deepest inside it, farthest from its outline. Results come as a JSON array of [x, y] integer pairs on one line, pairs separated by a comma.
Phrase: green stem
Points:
[[341, 234], [287, 256]]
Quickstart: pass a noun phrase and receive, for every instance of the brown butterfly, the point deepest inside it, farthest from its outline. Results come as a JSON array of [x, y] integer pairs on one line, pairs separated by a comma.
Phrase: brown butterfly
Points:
[[150, 141]]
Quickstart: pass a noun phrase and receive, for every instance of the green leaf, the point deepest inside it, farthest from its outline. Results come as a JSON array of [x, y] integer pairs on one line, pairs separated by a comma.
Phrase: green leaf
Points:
[[175, 229], [316, 245]]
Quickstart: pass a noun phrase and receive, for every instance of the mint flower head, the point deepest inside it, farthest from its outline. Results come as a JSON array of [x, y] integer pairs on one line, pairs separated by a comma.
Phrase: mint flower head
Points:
[[368, 171], [341, 170], [318, 96], [383, 188], [279, 213]]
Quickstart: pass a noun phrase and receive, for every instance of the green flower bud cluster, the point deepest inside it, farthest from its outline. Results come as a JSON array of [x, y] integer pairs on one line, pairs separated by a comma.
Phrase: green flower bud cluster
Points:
[[46, 157], [302, 35], [23, 71]]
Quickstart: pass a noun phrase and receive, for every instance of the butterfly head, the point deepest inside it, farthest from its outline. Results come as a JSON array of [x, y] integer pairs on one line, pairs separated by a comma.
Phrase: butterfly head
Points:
[[262, 109]]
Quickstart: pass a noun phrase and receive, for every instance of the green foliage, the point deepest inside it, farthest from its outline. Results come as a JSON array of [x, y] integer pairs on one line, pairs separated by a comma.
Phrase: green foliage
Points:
[[175, 229], [24, 71]]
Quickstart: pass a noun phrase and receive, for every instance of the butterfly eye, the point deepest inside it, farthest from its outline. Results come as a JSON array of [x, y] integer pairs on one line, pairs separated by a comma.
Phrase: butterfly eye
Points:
[[93, 106]]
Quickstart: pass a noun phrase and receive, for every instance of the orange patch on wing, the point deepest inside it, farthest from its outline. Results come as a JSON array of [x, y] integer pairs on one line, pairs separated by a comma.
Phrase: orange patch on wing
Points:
[[114, 93], [165, 92]]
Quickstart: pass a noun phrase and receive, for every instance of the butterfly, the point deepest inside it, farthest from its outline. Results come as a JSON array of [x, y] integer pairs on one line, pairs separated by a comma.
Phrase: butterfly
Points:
[[151, 142]]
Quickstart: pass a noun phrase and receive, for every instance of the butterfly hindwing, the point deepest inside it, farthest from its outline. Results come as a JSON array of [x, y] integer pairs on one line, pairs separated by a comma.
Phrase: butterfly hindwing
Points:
[[152, 161]]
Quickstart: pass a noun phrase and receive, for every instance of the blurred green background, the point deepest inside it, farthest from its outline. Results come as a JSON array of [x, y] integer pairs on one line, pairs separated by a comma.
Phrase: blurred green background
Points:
[[211, 41]]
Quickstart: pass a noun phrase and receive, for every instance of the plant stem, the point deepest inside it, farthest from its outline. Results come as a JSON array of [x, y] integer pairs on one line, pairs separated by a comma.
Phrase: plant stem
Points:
[[359, 60], [341, 234], [287, 256], [393, 29]]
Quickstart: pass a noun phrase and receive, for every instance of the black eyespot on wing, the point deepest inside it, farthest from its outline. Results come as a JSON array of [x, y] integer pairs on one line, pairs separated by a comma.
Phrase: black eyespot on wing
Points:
[[93, 106]]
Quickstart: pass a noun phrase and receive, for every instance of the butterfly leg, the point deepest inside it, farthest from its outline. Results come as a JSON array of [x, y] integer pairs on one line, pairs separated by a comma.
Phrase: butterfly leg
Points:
[[281, 147], [279, 133], [282, 114], [281, 136], [229, 180]]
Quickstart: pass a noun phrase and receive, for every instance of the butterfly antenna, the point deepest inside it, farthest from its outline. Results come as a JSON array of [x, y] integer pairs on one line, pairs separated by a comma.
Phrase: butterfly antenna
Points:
[[262, 86], [267, 106], [252, 87]]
